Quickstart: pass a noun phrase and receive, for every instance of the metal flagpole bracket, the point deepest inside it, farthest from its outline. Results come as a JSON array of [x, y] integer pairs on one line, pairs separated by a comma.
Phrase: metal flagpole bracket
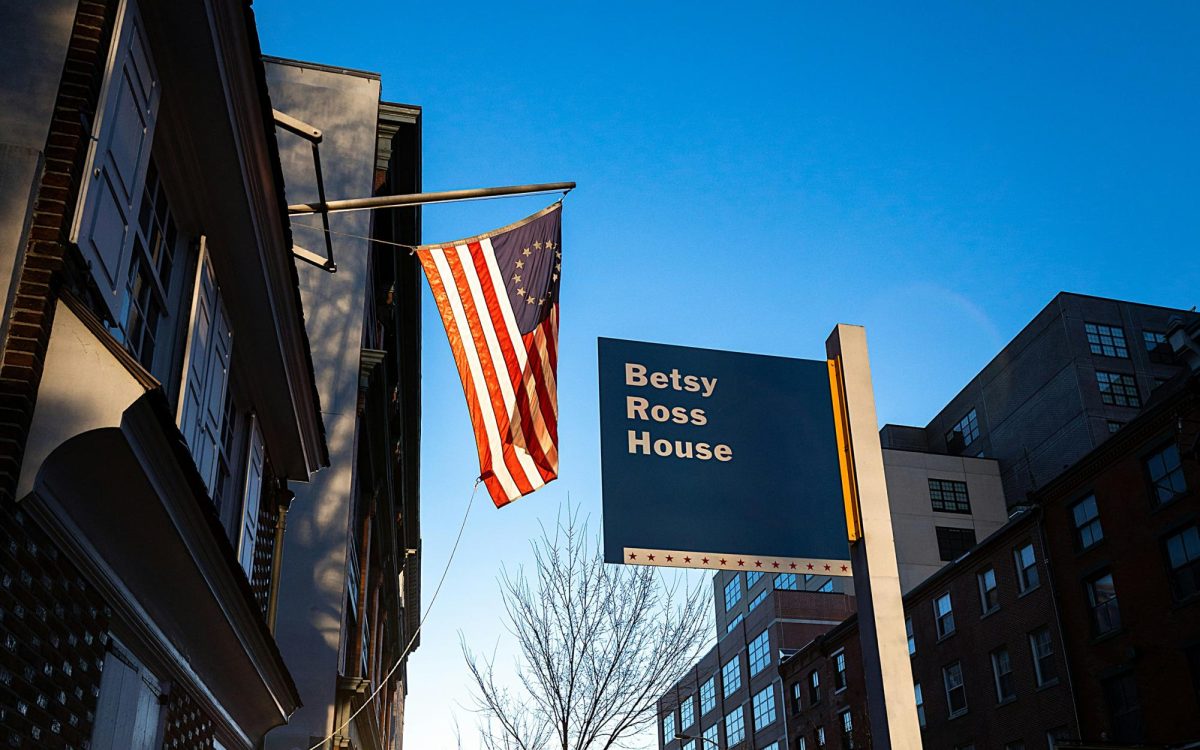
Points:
[[325, 207], [313, 136]]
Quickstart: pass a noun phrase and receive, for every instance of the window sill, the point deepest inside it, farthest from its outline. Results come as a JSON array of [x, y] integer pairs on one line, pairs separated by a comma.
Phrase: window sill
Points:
[[1107, 636], [958, 715], [990, 612], [1047, 685], [1029, 590], [1007, 701], [839, 691], [946, 636]]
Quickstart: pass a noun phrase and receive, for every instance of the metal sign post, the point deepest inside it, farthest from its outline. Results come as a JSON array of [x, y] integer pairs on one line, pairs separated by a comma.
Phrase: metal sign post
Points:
[[890, 696]]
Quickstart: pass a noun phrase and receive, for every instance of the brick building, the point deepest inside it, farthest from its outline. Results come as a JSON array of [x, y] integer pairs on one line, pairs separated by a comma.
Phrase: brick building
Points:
[[159, 407]]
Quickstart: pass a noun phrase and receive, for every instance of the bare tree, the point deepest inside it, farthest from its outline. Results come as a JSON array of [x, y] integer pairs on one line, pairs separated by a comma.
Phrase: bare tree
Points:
[[597, 646]]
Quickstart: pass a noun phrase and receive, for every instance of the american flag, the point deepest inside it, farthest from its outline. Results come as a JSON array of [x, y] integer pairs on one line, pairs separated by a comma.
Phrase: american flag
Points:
[[498, 297]]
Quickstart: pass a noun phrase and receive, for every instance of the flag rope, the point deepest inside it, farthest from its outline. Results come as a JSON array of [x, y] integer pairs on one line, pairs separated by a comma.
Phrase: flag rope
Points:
[[437, 590]]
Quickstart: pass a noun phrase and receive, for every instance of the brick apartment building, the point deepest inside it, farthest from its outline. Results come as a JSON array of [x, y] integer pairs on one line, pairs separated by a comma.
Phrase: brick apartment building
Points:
[[159, 407]]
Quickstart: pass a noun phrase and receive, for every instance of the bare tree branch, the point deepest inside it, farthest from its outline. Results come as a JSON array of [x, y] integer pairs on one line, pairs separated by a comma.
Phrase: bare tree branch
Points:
[[597, 645]]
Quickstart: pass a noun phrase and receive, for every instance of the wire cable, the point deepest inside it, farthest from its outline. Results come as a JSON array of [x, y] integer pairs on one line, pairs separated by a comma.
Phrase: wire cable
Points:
[[437, 590]]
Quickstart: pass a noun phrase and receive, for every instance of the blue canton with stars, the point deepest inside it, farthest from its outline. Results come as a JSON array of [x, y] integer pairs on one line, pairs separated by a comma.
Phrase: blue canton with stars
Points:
[[530, 259]]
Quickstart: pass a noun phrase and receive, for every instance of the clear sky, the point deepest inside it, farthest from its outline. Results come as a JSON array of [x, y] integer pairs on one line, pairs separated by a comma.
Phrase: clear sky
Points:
[[751, 174]]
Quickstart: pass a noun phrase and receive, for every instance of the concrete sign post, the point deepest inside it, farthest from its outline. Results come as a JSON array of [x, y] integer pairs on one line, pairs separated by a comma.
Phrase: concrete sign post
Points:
[[886, 663]]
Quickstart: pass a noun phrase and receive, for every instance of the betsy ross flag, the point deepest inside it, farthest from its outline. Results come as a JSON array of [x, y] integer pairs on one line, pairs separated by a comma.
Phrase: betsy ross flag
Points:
[[498, 297]]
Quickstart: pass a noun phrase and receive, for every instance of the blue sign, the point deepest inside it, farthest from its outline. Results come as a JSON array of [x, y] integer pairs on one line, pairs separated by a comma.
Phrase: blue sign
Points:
[[713, 459]]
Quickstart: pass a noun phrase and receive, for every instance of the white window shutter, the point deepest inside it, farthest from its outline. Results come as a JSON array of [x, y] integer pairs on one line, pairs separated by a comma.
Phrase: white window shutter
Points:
[[206, 372], [128, 713], [255, 459], [115, 170]]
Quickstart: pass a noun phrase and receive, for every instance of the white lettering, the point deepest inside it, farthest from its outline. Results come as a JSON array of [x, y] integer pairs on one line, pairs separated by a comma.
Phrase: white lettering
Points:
[[710, 385], [635, 374], [635, 407], [641, 440]]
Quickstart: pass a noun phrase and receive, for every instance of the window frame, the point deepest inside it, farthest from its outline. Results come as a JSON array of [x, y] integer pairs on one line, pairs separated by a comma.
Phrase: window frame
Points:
[[1189, 568], [1026, 582], [1125, 393], [1004, 682], [840, 681], [814, 687], [940, 618], [1116, 346], [920, 700], [912, 636], [950, 540], [709, 686], [1040, 674], [726, 690], [736, 716], [989, 596], [736, 584], [761, 644], [1104, 615], [769, 701], [1171, 474], [951, 495], [955, 666], [1089, 531]]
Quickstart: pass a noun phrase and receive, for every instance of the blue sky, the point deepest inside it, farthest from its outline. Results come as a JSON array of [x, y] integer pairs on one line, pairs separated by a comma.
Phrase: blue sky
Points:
[[750, 175]]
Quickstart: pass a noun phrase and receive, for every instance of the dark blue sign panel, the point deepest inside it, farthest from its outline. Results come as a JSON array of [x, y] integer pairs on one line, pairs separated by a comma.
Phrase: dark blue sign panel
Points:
[[713, 459]]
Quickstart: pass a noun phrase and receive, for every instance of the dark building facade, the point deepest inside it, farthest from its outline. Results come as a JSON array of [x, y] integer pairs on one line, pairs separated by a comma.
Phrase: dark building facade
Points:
[[1083, 367], [157, 396]]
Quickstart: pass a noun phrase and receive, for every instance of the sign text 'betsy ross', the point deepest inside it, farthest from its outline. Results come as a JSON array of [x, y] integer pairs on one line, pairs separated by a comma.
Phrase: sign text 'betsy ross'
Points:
[[653, 408]]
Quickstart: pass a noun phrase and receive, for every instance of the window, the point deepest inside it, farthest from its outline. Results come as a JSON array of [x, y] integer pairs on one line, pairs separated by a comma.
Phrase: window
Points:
[[826, 588], [1107, 341], [1102, 598], [689, 745], [687, 712], [989, 594], [1002, 673], [1055, 737], [796, 693], [964, 433], [734, 623], [814, 687], [1113, 426], [731, 675], [711, 735], [912, 640], [1087, 522], [254, 476], [1117, 389], [954, 543], [820, 734], [1120, 695], [786, 582], [943, 613], [839, 671], [801, 743], [129, 706], [708, 695], [956, 692], [949, 496], [1183, 555], [1043, 656], [764, 707], [847, 722], [772, 746], [760, 652], [1027, 572], [1157, 346], [206, 375], [762, 595], [1166, 473], [752, 578], [735, 727], [116, 164], [733, 592], [920, 704], [668, 727]]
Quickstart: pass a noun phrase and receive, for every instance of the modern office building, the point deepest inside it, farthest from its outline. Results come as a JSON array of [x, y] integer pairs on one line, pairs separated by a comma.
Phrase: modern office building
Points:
[[1082, 368], [349, 600], [157, 398]]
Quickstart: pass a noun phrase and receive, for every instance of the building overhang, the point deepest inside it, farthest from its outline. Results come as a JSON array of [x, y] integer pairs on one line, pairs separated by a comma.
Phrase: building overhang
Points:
[[108, 475], [216, 124]]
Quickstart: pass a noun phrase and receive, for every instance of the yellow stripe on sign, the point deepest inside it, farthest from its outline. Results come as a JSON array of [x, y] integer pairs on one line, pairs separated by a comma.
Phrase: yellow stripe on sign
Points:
[[841, 426]]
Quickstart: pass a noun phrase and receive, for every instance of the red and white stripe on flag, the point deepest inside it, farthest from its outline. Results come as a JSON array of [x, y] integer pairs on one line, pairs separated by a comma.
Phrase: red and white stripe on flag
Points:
[[498, 297]]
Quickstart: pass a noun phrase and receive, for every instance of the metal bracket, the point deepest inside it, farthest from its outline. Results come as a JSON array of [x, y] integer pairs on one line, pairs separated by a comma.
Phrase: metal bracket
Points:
[[313, 136]]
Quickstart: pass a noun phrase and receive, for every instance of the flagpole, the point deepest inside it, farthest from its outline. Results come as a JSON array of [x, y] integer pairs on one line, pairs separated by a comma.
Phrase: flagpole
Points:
[[420, 199]]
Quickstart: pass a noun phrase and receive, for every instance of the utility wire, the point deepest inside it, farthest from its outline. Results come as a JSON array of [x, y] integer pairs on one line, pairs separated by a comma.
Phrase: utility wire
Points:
[[382, 683]]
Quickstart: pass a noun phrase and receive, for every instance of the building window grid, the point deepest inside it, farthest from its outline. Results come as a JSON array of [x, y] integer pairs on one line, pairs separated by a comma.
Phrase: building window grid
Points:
[[757, 600], [711, 736], [820, 734], [1102, 598], [943, 613], [687, 712], [752, 578], [734, 622], [1166, 473], [731, 676], [1087, 522], [764, 707], [847, 730], [735, 727], [814, 687], [733, 592], [966, 430], [953, 542], [920, 704], [1118, 389], [1153, 339], [1042, 648], [956, 691], [989, 592], [786, 582], [839, 671], [826, 588], [1107, 341], [1027, 572], [668, 727], [949, 496], [760, 652], [708, 695], [1183, 556], [912, 639], [1002, 673]]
